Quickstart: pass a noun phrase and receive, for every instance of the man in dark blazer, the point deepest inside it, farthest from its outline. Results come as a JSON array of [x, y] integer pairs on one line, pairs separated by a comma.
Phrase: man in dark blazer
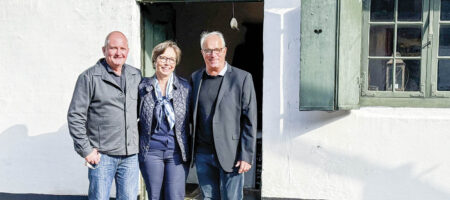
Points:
[[224, 122]]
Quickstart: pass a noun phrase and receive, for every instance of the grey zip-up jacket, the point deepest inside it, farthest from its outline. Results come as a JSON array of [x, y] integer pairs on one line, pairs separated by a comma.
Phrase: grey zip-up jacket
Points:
[[103, 116]]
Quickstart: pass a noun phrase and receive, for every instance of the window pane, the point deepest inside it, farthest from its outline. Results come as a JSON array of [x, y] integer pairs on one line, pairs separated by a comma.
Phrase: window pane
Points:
[[409, 41], [403, 68], [445, 9], [407, 75], [381, 40], [382, 10], [444, 41], [377, 74], [409, 10], [444, 75], [412, 75], [399, 77]]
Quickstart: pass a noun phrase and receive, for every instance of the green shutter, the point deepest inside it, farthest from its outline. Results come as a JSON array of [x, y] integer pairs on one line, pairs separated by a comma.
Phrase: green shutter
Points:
[[318, 54], [349, 57]]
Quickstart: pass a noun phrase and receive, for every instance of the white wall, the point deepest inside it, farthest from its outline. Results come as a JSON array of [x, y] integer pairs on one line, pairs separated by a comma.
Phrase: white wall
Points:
[[44, 45], [372, 153]]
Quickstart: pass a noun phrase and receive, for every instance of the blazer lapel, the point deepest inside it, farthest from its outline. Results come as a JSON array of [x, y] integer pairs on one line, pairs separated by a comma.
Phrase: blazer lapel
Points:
[[225, 83], [197, 81], [197, 85]]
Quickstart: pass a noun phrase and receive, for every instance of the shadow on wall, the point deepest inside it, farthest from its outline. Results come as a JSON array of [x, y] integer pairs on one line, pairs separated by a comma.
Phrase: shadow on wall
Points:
[[43, 164], [284, 123], [379, 182]]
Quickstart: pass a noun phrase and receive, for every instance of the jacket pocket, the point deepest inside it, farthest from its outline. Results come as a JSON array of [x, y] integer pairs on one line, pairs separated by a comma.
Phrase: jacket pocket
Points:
[[110, 137]]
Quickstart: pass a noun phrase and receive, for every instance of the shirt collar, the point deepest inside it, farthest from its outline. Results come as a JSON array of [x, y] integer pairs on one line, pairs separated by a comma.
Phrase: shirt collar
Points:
[[222, 72], [109, 69]]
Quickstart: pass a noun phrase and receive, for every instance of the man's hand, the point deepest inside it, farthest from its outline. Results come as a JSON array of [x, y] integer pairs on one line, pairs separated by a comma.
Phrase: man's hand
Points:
[[93, 157], [243, 166]]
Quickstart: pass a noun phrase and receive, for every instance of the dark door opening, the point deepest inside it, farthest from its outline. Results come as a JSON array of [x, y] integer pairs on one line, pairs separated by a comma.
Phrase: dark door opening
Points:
[[184, 22]]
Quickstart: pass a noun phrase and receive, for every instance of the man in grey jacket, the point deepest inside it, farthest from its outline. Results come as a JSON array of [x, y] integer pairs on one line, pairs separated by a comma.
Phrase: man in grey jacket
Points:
[[102, 121], [224, 122]]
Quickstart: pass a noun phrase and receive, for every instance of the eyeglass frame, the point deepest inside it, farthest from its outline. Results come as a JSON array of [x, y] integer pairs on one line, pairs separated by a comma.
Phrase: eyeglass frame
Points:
[[217, 51], [164, 59]]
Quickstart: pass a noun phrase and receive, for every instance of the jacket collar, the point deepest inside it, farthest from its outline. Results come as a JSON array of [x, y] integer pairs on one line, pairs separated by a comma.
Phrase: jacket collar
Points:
[[226, 68], [198, 79], [100, 70]]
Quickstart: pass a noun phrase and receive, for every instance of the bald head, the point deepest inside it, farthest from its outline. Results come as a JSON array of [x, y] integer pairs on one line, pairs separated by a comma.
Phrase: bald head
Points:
[[115, 34], [115, 49]]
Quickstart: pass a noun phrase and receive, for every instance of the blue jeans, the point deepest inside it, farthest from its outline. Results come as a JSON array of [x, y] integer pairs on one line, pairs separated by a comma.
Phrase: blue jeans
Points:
[[164, 173], [125, 171], [214, 182]]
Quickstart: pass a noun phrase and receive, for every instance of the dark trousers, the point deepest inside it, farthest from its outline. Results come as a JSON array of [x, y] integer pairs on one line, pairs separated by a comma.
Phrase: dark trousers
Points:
[[164, 174], [214, 182]]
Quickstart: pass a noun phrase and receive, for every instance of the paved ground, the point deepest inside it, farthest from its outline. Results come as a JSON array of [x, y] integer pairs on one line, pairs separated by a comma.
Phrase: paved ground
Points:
[[193, 193]]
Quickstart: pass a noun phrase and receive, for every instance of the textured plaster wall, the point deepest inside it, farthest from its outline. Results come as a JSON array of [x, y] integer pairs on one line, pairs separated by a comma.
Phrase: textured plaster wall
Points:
[[45, 44], [368, 154]]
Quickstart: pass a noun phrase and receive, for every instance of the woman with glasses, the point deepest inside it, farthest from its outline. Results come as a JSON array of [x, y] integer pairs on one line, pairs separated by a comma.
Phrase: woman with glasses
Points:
[[163, 126]]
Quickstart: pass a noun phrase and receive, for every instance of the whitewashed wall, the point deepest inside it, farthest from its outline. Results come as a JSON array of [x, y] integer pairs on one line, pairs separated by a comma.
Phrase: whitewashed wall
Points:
[[366, 154], [370, 153], [44, 45]]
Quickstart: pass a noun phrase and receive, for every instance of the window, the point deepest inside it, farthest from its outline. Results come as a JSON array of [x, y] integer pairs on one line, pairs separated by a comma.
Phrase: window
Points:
[[399, 55], [395, 26], [441, 73], [406, 52]]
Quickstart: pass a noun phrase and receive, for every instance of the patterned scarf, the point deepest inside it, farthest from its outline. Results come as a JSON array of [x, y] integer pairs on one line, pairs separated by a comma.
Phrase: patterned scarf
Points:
[[163, 103]]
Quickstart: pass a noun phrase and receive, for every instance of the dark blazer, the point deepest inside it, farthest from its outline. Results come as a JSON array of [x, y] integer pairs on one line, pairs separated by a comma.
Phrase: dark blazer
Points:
[[181, 96], [234, 120]]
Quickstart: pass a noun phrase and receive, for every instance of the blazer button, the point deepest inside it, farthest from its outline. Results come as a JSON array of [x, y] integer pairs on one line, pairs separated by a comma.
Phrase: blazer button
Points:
[[121, 94]]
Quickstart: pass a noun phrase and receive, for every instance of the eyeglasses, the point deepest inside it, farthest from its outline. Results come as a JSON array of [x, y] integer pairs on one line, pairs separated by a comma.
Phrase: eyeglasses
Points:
[[167, 60], [213, 51]]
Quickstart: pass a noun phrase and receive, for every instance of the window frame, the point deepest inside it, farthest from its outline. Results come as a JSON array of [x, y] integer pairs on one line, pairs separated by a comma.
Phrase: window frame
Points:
[[367, 24], [428, 95], [435, 57]]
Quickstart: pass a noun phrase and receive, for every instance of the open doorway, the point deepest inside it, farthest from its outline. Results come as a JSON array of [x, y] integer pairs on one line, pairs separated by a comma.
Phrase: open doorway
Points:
[[183, 22]]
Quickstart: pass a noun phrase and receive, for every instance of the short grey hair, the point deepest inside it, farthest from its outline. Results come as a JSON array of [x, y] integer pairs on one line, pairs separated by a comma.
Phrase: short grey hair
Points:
[[206, 34]]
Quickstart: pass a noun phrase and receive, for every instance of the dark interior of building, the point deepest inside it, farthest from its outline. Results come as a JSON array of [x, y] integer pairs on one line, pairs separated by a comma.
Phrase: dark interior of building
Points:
[[184, 22]]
